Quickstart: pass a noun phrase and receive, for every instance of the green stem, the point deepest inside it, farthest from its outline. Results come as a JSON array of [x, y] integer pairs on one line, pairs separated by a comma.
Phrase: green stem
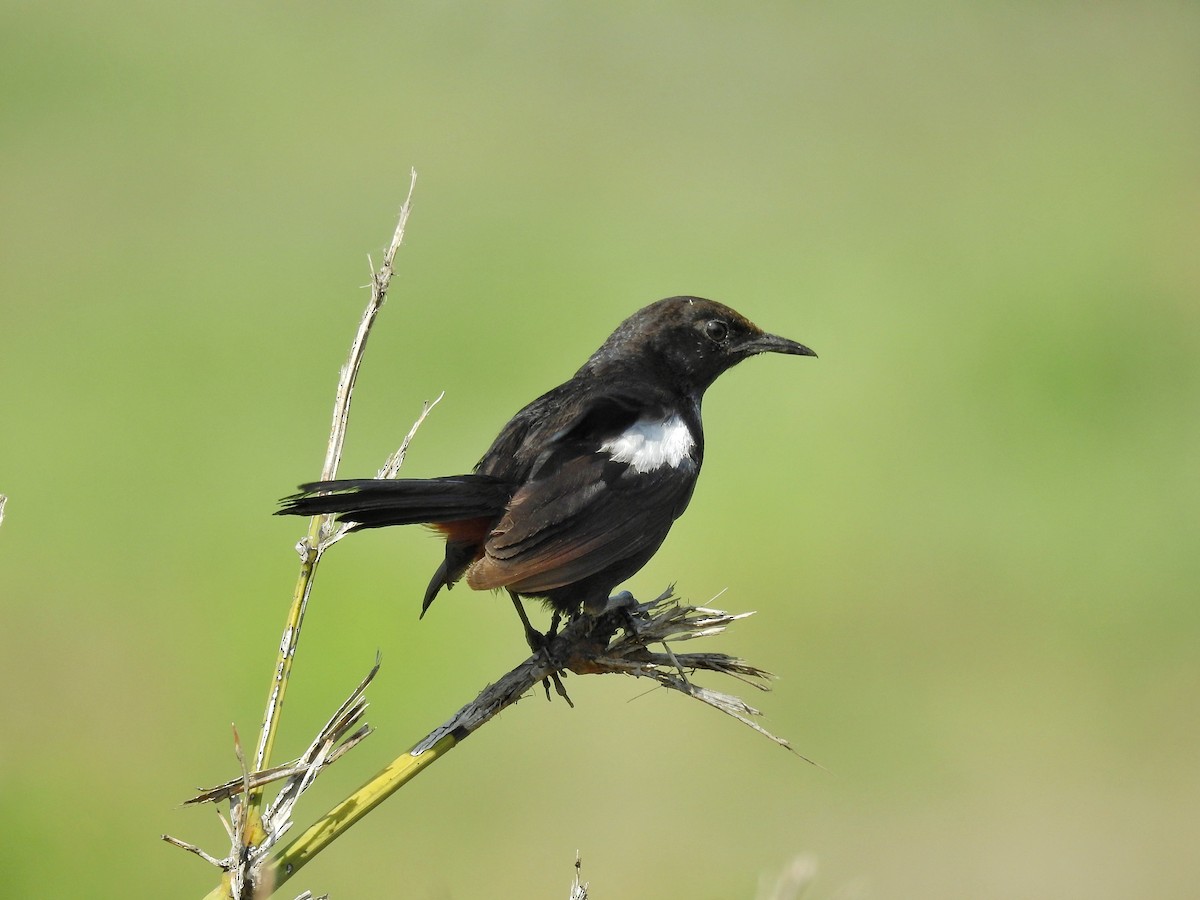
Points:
[[281, 674], [289, 860]]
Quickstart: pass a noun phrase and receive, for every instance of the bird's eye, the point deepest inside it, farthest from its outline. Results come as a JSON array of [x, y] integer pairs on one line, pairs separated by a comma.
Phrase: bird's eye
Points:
[[716, 330]]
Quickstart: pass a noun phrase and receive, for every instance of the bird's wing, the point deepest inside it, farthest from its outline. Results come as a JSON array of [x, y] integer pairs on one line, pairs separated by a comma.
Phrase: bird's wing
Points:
[[560, 530], [556, 426], [581, 512]]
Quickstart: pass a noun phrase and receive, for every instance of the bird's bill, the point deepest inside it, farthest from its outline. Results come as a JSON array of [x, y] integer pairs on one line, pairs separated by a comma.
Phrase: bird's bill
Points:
[[773, 343]]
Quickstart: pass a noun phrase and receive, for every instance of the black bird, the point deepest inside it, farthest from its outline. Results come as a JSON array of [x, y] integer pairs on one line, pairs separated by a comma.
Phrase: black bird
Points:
[[581, 486]]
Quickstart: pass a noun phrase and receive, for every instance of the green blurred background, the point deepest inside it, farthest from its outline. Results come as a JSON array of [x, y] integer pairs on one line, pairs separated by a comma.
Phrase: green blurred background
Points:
[[969, 528]]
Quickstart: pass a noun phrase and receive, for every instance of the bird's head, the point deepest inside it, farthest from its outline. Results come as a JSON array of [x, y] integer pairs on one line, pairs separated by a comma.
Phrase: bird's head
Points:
[[690, 340]]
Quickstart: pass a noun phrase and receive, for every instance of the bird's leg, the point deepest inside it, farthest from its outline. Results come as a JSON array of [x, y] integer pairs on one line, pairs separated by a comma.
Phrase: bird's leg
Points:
[[540, 643], [534, 638]]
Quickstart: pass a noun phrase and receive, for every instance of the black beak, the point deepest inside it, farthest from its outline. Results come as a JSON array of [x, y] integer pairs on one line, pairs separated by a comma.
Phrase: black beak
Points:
[[773, 343]]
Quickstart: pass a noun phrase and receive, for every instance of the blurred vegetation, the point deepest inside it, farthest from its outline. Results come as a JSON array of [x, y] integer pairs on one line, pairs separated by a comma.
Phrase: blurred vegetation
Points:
[[969, 528]]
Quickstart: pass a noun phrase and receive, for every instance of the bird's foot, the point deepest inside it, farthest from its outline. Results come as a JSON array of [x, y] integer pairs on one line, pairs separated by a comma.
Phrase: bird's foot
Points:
[[625, 609], [611, 613], [622, 601], [632, 615], [540, 644], [557, 674]]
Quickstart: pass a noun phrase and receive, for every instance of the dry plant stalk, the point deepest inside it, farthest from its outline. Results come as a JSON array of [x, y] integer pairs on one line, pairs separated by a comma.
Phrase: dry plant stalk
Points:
[[253, 832], [579, 891], [322, 528], [617, 642]]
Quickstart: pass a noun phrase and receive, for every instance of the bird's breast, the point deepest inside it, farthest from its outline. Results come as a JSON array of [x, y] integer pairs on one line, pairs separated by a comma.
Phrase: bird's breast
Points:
[[650, 444]]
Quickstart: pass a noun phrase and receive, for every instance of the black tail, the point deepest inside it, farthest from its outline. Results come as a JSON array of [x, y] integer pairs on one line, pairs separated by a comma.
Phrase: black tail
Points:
[[376, 502]]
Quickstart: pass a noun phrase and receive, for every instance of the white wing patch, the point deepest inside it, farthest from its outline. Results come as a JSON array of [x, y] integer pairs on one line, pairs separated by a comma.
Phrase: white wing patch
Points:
[[647, 445]]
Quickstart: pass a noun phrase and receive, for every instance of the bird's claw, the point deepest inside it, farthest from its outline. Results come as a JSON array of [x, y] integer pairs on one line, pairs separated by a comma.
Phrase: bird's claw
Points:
[[540, 645]]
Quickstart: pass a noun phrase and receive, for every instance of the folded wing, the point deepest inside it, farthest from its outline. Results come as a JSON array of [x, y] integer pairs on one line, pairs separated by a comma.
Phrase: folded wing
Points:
[[583, 512]]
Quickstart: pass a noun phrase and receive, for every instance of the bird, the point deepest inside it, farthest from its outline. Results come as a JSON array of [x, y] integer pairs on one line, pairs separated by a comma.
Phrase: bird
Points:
[[580, 488]]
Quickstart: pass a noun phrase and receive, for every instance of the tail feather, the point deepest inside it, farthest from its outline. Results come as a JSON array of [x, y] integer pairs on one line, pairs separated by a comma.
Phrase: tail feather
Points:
[[377, 502]]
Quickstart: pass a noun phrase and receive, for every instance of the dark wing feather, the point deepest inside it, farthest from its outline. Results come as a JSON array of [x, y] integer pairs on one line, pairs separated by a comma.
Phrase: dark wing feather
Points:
[[589, 515], [565, 418], [577, 513]]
